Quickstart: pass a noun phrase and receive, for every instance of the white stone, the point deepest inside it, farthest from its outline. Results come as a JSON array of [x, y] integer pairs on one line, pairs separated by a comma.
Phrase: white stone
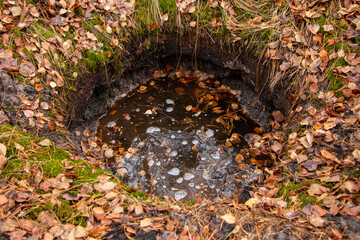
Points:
[[169, 109]]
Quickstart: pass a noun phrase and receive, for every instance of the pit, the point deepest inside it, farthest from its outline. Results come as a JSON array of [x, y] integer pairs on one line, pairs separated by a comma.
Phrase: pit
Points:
[[179, 120]]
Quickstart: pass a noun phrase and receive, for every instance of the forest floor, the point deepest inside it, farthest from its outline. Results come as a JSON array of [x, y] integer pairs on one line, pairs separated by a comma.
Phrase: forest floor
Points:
[[51, 189]]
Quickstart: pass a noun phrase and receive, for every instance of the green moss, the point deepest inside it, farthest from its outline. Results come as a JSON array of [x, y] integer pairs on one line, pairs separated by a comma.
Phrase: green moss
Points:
[[356, 174], [49, 159], [78, 12], [94, 59], [305, 199], [285, 190], [17, 32], [42, 30], [328, 185], [96, 20]]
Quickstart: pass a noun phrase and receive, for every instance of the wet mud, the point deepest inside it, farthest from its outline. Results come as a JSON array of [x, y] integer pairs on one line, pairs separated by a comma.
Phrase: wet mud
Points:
[[179, 136]]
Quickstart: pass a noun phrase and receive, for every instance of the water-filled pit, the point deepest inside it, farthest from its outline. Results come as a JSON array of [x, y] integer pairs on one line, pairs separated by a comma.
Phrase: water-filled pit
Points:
[[180, 134]]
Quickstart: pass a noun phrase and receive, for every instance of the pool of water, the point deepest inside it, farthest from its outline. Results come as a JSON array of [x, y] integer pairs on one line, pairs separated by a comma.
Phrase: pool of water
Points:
[[178, 135]]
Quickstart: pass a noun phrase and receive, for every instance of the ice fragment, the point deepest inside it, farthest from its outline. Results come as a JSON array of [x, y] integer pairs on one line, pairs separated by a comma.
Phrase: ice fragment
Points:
[[180, 195], [174, 172]]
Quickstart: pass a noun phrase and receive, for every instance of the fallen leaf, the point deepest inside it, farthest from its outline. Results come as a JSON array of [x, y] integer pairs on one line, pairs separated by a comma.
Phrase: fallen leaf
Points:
[[27, 69], [2, 149], [3, 200], [310, 165], [328, 27], [317, 221], [99, 213], [229, 218], [317, 189], [146, 222], [291, 214], [104, 187], [45, 143], [327, 154], [138, 209], [351, 186], [314, 28], [179, 90]]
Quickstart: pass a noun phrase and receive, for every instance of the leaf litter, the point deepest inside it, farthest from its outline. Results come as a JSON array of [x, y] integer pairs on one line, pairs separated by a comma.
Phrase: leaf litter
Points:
[[326, 143]]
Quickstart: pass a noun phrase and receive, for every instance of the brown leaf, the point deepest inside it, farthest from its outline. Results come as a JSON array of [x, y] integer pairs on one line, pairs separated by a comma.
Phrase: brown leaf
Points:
[[334, 210], [3, 200], [27, 69], [305, 142], [316, 210], [314, 28], [285, 66], [276, 147], [146, 222], [327, 154], [317, 221], [317, 189], [104, 187], [15, 11], [158, 74], [99, 213], [310, 165], [138, 209], [39, 87], [28, 113], [81, 232], [2, 149], [351, 186], [52, 126], [352, 211], [278, 116], [68, 196], [328, 27], [314, 88], [291, 214], [179, 90], [229, 218]]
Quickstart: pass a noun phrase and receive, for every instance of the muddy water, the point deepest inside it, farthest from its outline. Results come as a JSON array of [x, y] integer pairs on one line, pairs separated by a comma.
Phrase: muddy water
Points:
[[177, 136]]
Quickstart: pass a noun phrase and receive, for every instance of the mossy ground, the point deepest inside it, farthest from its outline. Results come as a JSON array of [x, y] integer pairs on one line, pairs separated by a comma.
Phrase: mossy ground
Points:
[[46, 162]]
